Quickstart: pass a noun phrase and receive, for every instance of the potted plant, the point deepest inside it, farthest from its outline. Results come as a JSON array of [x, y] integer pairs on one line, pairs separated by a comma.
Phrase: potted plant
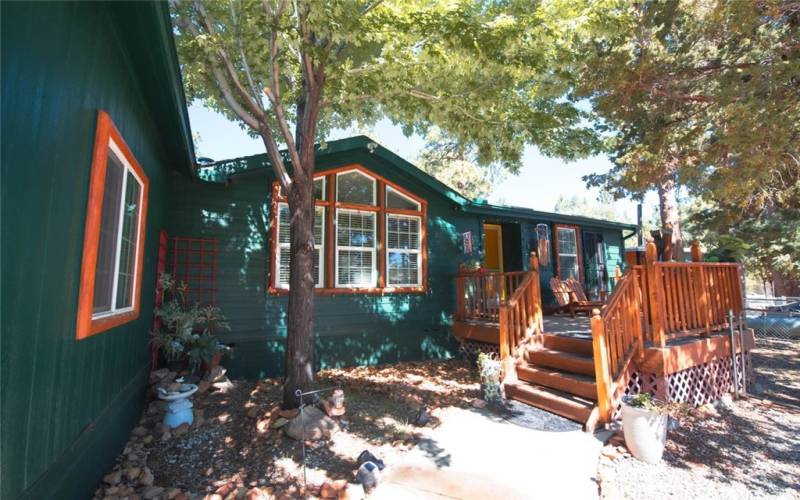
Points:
[[490, 377], [186, 335], [644, 424]]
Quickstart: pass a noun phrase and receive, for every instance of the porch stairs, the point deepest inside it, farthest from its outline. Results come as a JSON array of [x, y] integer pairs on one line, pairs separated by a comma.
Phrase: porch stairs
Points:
[[557, 374]]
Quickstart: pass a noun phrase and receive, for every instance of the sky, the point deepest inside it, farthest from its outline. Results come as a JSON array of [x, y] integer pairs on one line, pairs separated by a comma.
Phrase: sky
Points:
[[538, 185]]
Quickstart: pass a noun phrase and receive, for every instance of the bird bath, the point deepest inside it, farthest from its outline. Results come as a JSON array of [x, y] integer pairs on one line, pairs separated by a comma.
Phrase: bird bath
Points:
[[179, 409]]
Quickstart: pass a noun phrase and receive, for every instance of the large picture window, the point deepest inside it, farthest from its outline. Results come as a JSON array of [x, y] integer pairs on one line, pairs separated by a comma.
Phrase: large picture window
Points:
[[568, 252], [369, 235], [114, 235]]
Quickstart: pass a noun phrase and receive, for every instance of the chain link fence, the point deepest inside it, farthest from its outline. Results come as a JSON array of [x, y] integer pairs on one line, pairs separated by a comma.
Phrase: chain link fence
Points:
[[773, 317]]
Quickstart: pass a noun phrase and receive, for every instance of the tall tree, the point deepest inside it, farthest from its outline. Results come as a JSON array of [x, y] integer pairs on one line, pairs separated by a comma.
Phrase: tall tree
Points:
[[703, 94], [453, 164], [291, 71]]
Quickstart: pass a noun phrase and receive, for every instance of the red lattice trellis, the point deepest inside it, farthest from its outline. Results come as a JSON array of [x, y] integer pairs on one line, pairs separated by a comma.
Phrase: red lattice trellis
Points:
[[194, 261]]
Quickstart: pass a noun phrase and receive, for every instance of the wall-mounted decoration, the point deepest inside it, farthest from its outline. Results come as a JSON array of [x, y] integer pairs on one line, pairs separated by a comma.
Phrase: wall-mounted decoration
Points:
[[543, 244], [467, 242]]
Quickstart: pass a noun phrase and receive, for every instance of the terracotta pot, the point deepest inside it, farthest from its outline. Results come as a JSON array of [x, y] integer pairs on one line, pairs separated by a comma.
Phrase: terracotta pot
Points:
[[645, 433], [215, 361]]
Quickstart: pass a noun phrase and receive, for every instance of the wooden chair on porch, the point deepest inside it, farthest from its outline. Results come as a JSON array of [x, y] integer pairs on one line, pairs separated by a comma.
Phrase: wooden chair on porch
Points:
[[570, 296]]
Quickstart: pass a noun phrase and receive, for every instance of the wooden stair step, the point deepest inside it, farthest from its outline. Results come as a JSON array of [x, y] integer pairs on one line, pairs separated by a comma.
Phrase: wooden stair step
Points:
[[551, 400], [562, 361], [571, 383], [567, 344]]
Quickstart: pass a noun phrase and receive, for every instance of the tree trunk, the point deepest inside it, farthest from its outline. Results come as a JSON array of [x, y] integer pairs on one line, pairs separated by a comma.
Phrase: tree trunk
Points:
[[300, 318], [668, 210]]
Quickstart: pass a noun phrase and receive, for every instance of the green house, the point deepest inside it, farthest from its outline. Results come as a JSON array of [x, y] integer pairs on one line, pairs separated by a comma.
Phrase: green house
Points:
[[101, 192]]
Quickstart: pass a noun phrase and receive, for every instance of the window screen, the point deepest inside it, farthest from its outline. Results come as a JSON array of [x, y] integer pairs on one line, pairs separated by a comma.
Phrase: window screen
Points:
[[115, 268], [568, 266], [355, 248], [403, 250], [355, 187], [284, 241], [395, 199]]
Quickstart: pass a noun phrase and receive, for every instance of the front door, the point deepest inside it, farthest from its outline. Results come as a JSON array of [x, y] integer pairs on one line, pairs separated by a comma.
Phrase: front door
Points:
[[493, 247], [594, 264]]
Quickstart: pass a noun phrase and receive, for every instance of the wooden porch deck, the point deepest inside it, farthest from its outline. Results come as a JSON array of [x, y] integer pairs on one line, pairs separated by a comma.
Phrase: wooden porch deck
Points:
[[664, 330]]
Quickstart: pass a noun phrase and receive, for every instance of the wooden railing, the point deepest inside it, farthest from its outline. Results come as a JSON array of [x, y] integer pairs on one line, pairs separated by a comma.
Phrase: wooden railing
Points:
[[480, 294], [521, 312], [689, 298], [653, 303], [618, 340]]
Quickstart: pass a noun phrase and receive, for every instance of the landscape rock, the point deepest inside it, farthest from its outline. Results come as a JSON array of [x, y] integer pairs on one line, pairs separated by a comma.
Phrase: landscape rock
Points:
[[223, 386], [139, 431], [216, 374], [158, 375], [423, 417], [181, 429], [278, 423], [317, 425], [203, 386], [368, 476], [172, 493], [252, 412], [258, 494], [133, 472], [146, 478], [289, 414], [152, 492], [113, 478], [479, 403], [335, 489]]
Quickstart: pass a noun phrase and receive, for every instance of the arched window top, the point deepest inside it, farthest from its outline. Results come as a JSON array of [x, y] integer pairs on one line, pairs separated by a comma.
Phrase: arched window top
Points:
[[396, 199], [354, 186]]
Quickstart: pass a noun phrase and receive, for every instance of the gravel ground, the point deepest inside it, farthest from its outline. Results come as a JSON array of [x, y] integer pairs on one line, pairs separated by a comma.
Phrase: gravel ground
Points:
[[229, 453], [744, 449]]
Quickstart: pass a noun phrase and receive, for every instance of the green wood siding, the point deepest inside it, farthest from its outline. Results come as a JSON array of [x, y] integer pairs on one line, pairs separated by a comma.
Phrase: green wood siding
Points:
[[350, 329], [66, 405]]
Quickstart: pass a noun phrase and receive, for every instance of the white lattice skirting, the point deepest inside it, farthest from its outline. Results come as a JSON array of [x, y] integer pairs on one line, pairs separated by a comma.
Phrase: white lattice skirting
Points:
[[694, 386]]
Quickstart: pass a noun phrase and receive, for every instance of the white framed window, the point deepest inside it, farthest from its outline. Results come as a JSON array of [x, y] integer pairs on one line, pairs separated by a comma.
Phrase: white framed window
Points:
[[116, 266], [396, 199], [282, 256], [356, 187], [355, 265], [403, 245], [568, 259]]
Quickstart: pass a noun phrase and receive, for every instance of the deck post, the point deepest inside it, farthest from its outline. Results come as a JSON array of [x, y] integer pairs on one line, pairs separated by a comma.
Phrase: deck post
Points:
[[656, 316], [697, 254], [601, 366]]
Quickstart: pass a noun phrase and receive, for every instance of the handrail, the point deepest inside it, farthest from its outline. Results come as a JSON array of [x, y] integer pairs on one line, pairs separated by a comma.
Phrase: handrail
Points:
[[521, 312], [479, 294], [617, 340]]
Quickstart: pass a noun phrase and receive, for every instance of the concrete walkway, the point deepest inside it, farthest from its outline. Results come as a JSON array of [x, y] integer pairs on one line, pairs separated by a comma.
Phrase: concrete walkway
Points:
[[479, 454]]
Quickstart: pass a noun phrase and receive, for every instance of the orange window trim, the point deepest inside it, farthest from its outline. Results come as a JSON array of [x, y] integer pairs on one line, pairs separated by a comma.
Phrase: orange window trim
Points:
[[330, 204], [578, 249], [87, 326]]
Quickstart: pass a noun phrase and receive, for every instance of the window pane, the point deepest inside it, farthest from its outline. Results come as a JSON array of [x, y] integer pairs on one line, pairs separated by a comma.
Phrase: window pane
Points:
[[402, 232], [130, 230], [396, 200], [355, 229], [568, 266], [403, 268], [566, 242], [355, 268], [284, 242], [109, 228], [319, 188], [355, 187]]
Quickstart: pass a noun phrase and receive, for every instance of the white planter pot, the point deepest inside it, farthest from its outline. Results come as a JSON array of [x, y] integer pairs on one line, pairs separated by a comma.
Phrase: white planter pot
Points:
[[645, 433]]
